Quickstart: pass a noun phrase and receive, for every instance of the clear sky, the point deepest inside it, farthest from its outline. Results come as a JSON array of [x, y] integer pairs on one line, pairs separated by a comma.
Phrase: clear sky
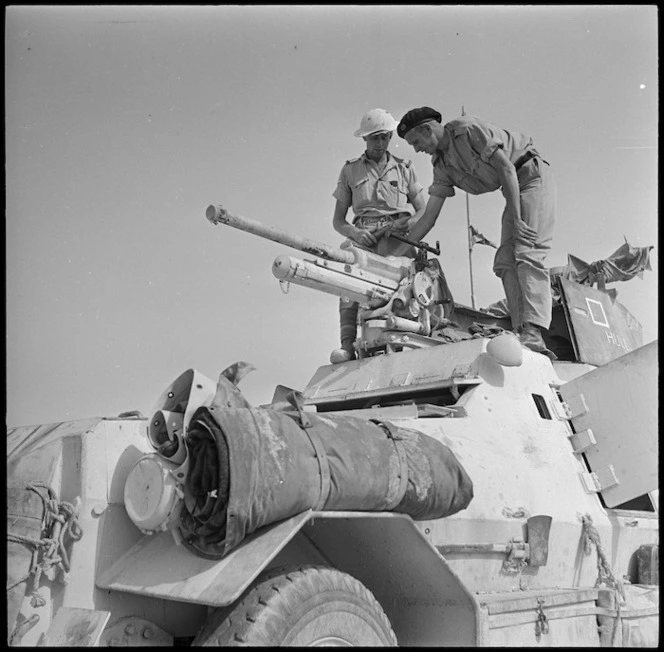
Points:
[[124, 123]]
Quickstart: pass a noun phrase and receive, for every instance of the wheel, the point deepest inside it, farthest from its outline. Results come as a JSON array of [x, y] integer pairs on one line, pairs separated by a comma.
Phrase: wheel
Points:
[[301, 606]]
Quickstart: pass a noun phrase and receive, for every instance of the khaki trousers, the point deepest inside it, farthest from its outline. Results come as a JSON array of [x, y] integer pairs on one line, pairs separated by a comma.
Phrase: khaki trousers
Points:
[[519, 265]]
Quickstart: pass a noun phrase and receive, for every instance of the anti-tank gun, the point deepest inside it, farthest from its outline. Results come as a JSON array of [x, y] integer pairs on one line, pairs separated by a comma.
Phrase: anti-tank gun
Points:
[[403, 300]]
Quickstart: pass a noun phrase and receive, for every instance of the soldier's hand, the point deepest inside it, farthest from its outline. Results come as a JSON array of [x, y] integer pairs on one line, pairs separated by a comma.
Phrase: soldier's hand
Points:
[[525, 233], [365, 238], [400, 225]]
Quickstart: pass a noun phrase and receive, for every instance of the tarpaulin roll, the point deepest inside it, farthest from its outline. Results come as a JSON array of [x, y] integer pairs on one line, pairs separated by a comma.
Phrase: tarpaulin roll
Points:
[[250, 467]]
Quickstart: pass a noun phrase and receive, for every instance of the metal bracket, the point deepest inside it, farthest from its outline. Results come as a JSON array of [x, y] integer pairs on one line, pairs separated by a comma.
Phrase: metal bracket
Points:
[[535, 552], [576, 406], [606, 477], [296, 399], [582, 441], [518, 555], [599, 480], [517, 551], [589, 483], [560, 408]]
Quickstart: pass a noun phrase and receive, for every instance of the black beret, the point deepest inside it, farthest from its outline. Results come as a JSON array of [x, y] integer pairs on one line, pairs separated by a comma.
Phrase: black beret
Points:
[[416, 117]]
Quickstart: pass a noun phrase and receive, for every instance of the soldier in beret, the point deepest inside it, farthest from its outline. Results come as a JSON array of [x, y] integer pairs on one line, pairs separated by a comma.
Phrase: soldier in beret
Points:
[[383, 191], [478, 157]]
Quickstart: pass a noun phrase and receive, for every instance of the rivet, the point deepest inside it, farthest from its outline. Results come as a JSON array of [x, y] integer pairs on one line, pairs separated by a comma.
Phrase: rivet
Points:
[[130, 629], [147, 633]]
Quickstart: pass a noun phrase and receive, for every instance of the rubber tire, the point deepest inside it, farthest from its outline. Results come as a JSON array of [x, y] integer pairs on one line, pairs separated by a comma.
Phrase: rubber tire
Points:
[[301, 606]]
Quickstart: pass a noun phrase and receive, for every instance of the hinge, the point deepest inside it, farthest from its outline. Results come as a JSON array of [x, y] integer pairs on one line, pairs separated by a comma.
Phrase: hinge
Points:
[[589, 483], [576, 406], [582, 441], [599, 480], [606, 477], [559, 407]]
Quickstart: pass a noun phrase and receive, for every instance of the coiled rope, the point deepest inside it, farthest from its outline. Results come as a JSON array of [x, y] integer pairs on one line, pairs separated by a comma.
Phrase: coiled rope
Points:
[[605, 575], [49, 556]]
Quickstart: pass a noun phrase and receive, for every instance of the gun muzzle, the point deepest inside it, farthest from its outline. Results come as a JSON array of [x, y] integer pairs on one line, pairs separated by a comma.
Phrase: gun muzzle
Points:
[[219, 215]]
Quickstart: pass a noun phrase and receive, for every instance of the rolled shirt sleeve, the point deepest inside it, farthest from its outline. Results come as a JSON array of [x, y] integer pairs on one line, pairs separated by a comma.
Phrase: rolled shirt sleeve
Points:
[[413, 185], [442, 185], [342, 192]]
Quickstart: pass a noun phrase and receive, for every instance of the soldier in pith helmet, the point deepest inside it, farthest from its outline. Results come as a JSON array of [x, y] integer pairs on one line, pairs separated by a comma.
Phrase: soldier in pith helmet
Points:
[[382, 190]]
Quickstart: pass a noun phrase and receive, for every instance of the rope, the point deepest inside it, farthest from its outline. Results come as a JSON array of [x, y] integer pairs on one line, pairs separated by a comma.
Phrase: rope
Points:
[[59, 520], [604, 573]]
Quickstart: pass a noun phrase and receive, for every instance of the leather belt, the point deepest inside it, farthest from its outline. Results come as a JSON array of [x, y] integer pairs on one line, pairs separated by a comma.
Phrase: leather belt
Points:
[[379, 219]]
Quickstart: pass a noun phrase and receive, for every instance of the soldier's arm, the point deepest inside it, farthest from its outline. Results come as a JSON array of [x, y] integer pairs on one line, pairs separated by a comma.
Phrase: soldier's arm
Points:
[[361, 236], [404, 224], [419, 205], [424, 223], [416, 197]]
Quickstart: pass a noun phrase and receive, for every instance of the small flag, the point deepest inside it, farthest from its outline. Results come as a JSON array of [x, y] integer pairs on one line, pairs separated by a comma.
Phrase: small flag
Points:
[[479, 238]]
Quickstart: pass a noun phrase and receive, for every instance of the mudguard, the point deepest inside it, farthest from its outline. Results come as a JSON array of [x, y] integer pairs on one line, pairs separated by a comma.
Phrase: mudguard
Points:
[[419, 584], [159, 567]]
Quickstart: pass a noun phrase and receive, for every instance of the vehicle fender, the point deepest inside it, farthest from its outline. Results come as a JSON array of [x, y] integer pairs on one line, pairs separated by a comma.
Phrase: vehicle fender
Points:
[[385, 551], [161, 567], [426, 602]]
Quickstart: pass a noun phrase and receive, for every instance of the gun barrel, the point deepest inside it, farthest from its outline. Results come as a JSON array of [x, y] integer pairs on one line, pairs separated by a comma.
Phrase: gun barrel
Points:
[[218, 214], [356, 286]]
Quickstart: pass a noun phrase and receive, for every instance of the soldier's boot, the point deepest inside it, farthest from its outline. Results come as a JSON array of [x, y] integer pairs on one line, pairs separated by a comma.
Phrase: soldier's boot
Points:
[[530, 336], [343, 354], [348, 332]]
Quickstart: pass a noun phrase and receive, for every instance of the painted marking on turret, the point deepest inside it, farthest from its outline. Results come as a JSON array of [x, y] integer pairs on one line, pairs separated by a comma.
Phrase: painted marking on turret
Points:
[[597, 313], [618, 341]]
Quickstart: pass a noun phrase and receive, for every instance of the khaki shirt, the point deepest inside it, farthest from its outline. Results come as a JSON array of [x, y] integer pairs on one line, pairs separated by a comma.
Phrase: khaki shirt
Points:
[[464, 163], [372, 194]]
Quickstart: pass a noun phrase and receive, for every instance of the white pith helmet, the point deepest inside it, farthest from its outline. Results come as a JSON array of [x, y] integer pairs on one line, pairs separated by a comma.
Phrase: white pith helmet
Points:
[[375, 120]]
